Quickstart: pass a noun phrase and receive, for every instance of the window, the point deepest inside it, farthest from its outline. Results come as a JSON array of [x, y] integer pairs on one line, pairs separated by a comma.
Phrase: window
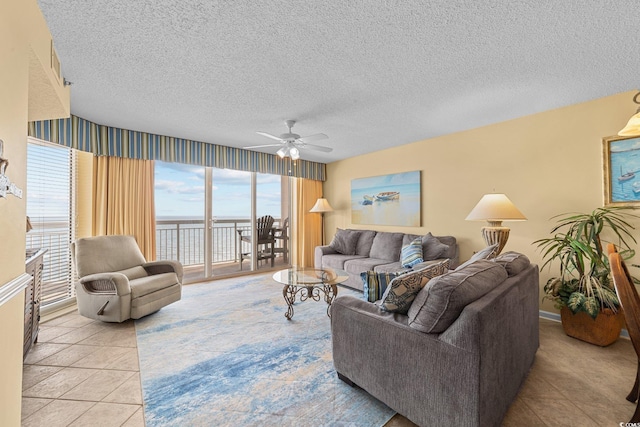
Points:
[[50, 208], [200, 212]]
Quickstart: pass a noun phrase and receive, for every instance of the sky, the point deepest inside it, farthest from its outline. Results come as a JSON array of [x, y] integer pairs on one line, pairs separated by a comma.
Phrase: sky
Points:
[[180, 192]]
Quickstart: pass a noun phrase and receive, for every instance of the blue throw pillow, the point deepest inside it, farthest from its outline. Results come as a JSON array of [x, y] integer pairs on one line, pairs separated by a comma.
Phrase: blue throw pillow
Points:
[[411, 254], [375, 283]]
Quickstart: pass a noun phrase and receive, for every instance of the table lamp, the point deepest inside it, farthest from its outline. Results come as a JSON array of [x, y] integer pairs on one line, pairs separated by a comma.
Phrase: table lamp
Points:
[[495, 208], [322, 205], [633, 126]]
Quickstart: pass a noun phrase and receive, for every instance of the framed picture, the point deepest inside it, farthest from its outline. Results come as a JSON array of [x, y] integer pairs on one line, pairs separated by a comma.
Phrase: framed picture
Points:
[[387, 200], [621, 160]]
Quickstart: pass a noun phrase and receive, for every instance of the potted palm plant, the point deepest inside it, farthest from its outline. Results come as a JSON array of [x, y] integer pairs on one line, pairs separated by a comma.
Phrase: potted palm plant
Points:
[[583, 291]]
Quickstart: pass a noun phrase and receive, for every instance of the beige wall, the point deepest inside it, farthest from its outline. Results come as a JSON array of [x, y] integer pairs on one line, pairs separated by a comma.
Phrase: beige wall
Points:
[[23, 38], [548, 163]]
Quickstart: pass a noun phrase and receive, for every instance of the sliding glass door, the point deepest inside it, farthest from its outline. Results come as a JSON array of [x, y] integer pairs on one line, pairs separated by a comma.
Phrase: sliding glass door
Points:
[[207, 219], [180, 216]]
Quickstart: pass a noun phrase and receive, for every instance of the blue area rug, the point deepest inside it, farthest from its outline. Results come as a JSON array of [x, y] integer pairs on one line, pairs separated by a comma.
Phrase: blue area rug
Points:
[[225, 355]]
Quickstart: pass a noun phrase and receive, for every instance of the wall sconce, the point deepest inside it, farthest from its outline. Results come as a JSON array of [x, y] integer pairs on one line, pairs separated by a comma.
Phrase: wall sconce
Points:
[[633, 126], [495, 208]]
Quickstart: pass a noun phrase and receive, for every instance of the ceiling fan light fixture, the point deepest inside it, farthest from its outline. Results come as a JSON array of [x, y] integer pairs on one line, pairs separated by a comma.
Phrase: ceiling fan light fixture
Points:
[[290, 144], [282, 152]]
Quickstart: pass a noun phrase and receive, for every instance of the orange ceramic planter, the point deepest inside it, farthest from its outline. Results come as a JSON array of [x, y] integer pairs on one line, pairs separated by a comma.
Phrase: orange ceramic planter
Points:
[[603, 330]]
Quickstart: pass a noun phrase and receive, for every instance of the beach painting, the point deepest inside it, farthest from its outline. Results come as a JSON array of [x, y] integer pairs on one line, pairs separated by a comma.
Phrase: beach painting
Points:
[[387, 200], [621, 170]]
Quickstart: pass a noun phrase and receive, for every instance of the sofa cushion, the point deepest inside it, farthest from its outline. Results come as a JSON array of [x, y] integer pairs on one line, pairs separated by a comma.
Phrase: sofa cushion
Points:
[[337, 260], [392, 267], [513, 262], [411, 254], [375, 283], [442, 300], [360, 264], [364, 241], [345, 241], [403, 289], [452, 246], [486, 253], [432, 247], [386, 246]]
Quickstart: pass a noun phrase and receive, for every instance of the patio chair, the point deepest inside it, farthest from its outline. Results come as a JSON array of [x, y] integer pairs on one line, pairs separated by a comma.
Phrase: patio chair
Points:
[[630, 303], [265, 240], [117, 283], [282, 233]]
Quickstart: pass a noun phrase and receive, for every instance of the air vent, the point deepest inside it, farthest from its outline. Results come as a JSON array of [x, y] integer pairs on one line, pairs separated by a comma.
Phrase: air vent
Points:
[[55, 62]]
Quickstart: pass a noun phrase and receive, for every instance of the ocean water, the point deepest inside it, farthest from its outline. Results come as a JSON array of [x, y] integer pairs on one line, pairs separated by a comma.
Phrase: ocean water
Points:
[[621, 163]]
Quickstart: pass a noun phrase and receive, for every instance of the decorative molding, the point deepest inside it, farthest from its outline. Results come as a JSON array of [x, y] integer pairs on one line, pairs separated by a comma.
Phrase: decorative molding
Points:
[[14, 287]]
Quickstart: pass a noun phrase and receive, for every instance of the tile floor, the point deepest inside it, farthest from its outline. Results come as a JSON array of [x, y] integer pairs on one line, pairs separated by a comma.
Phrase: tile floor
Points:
[[86, 373], [82, 373]]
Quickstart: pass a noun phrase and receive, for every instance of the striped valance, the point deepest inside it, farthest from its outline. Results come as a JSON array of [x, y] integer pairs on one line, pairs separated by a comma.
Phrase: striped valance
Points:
[[101, 140]]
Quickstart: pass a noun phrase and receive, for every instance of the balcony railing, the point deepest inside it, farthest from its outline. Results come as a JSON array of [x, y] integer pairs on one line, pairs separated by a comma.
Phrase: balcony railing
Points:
[[184, 240], [181, 240]]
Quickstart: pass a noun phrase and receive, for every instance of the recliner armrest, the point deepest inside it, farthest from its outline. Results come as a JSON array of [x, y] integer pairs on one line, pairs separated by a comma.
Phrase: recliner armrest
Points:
[[106, 283], [164, 266]]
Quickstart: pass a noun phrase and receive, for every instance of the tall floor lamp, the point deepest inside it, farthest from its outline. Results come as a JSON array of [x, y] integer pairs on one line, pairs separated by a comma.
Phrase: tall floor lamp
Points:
[[321, 206], [495, 208]]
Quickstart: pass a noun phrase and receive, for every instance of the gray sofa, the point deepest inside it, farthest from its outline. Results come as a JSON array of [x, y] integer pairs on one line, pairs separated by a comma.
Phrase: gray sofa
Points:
[[469, 368], [356, 251]]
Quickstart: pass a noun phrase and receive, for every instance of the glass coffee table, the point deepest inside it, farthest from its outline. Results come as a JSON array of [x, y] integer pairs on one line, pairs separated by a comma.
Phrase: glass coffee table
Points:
[[309, 283]]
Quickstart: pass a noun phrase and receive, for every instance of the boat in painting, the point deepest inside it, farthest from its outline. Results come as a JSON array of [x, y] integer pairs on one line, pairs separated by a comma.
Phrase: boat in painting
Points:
[[368, 200], [636, 187], [626, 176], [387, 195]]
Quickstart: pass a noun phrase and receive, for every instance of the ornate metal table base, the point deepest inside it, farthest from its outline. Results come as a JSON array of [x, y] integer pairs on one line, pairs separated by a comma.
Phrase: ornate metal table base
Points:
[[289, 293]]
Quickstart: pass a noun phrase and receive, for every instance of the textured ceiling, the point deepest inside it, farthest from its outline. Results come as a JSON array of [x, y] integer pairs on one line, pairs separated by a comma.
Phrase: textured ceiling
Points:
[[370, 74]]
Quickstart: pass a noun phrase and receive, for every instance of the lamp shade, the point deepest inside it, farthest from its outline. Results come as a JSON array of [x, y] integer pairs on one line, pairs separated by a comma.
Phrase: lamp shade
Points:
[[322, 205], [633, 126], [495, 208]]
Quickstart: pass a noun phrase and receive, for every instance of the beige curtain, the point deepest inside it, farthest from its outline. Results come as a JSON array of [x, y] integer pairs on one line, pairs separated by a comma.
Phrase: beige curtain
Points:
[[306, 226], [123, 200]]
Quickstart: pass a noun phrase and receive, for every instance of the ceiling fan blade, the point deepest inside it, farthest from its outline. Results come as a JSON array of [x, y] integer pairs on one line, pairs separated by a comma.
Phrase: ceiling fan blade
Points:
[[268, 135], [264, 145], [311, 138], [315, 147]]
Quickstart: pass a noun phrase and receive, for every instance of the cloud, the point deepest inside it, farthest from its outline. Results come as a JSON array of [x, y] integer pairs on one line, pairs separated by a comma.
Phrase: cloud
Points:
[[178, 187]]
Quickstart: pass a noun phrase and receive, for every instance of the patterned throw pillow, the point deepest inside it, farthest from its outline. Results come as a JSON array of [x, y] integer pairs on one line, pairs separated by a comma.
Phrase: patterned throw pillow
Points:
[[375, 283], [411, 254], [403, 289]]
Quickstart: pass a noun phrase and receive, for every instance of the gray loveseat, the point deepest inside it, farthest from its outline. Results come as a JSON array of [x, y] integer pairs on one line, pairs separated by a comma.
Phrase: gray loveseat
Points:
[[460, 355], [356, 251]]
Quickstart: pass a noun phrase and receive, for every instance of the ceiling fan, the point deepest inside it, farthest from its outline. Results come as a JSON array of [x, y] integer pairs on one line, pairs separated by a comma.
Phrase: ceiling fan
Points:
[[291, 143]]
